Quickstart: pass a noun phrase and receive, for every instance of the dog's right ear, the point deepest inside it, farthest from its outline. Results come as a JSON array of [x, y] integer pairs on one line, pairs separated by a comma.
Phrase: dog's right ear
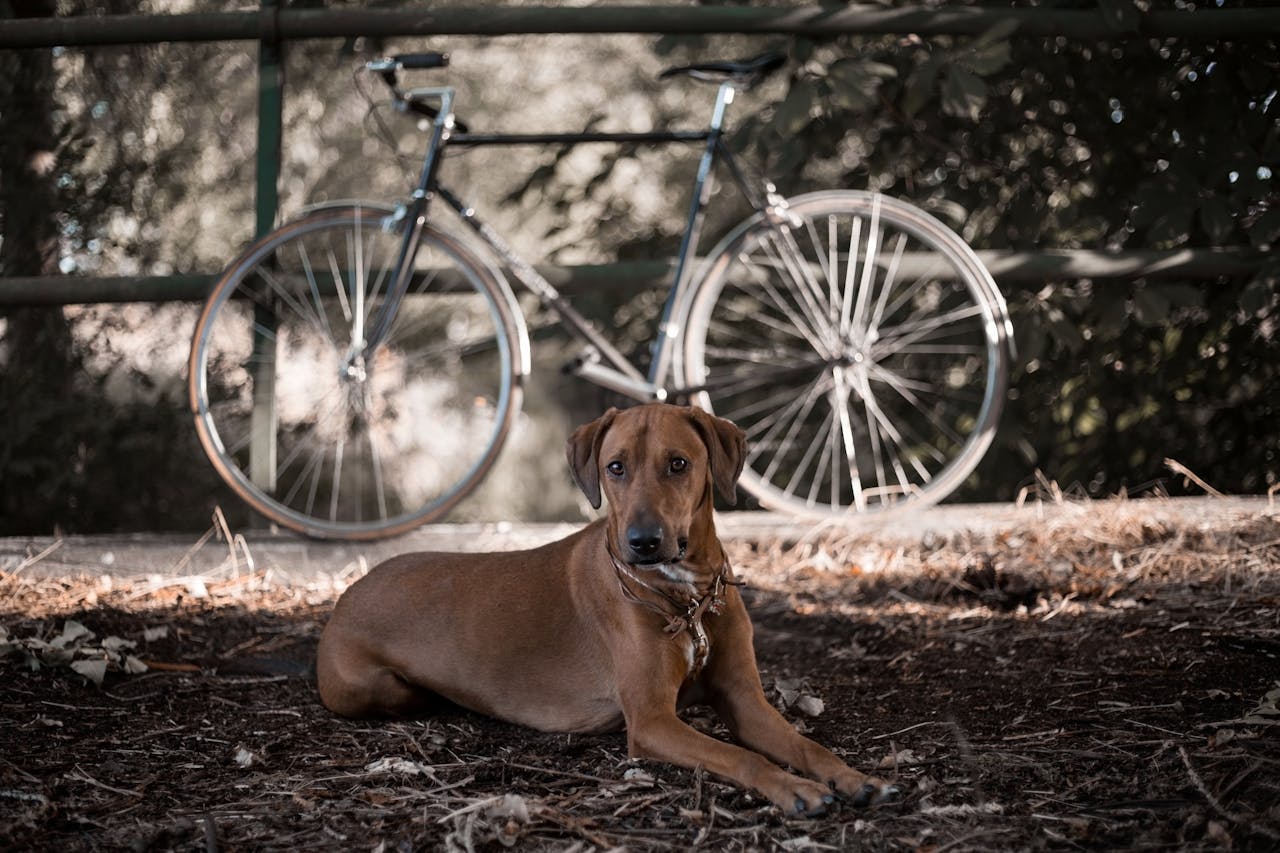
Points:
[[583, 450]]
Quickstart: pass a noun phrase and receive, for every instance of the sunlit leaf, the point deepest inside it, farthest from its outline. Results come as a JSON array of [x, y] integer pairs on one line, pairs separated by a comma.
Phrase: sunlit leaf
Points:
[[1265, 230], [794, 111], [1216, 219], [94, 670], [855, 85], [1150, 306], [920, 86], [1122, 15], [963, 93]]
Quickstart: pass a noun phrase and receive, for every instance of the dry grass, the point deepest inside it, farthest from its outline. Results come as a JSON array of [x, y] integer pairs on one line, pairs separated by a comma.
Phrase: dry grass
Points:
[[1105, 678]]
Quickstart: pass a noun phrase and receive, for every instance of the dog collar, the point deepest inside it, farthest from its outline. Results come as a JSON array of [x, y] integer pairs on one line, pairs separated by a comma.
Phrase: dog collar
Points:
[[688, 613]]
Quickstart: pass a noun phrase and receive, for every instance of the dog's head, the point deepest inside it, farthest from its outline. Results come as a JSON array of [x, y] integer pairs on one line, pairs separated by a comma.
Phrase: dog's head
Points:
[[657, 465]]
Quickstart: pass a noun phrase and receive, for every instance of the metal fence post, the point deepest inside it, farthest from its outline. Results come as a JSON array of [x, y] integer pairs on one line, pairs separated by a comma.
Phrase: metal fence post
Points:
[[263, 421]]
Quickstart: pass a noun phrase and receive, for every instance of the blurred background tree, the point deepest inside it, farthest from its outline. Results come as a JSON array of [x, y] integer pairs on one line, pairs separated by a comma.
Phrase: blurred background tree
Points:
[[145, 159]]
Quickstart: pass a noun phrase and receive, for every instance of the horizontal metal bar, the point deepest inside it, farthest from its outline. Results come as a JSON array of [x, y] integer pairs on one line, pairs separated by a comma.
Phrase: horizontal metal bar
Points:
[[576, 138], [806, 20], [1008, 268]]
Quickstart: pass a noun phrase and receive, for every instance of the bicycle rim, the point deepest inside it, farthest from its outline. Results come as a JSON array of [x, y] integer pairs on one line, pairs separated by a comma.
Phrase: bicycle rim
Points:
[[861, 346], [327, 439]]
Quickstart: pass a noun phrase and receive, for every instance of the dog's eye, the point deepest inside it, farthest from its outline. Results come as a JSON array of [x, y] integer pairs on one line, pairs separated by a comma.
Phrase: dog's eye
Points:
[[679, 464], [615, 468]]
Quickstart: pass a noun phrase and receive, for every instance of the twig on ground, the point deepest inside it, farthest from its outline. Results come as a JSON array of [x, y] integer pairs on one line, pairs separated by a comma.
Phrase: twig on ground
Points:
[[1240, 820]]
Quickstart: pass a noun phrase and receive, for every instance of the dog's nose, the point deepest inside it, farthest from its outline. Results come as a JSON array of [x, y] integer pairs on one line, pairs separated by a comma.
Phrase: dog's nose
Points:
[[644, 540]]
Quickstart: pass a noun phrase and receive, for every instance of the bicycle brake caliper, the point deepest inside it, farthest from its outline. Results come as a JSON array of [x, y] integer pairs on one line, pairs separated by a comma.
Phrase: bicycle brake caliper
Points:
[[390, 222], [777, 211]]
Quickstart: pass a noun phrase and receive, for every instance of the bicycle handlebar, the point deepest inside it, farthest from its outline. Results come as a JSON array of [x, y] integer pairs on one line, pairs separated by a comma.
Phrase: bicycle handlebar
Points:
[[410, 61], [387, 67]]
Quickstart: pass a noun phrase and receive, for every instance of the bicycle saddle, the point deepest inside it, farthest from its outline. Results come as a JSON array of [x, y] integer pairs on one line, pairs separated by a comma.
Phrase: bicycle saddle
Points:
[[743, 71]]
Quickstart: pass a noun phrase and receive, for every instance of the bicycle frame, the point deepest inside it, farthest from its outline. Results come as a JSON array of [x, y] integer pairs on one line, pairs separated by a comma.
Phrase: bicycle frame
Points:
[[602, 363]]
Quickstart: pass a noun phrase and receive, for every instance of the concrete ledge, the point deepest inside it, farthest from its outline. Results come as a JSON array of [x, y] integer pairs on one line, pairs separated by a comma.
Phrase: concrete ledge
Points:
[[294, 559]]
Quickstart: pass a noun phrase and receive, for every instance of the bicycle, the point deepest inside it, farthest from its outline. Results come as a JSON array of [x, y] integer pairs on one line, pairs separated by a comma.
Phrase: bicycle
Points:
[[355, 372]]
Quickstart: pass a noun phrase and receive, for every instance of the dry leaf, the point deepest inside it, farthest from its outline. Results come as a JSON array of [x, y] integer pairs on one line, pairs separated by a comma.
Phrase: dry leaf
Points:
[[115, 644], [133, 666], [400, 765], [94, 670], [71, 632], [637, 777]]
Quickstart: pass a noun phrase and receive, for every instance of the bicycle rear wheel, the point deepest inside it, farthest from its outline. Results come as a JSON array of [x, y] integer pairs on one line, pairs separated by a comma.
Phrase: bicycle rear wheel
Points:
[[861, 345], [325, 438]]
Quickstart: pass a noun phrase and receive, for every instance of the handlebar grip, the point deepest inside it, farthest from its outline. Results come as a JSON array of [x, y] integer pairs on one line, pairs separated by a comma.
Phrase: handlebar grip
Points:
[[422, 60]]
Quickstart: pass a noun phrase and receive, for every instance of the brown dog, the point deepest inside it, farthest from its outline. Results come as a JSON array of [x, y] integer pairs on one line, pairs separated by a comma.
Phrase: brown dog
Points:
[[621, 623]]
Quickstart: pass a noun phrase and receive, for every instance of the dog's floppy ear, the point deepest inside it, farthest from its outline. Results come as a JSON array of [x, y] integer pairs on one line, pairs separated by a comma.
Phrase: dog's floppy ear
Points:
[[583, 450], [726, 448]]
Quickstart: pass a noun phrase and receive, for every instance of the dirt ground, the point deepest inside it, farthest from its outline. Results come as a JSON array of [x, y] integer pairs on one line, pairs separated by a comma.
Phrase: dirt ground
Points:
[[1101, 682]]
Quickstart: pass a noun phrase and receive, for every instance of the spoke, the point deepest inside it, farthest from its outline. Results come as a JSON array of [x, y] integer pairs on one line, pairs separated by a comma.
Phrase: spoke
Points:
[[773, 399], [877, 316], [833, 269], [370, 254], [377, 474], [315, 290], [873, 429], [804, 460], [913, 331], [919, 382], [804, 327], [850, 274], [313, 462], [759, 317], [825, 260], [896, 436], [383, 271], [356, 287], [940, 349], [269, 334], [902, 387], [753, 356], [828, 448], [850, 451], [802, 279], [315, 481], [339, 285], [868, 267], [809, 400], [725, 387], [904, 296], [781, 417], [337, 476], [401, 325], [288, 298]]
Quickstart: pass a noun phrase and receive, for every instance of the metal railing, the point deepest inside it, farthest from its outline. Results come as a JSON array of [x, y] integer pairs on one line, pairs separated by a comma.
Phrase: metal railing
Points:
[[273, 24]]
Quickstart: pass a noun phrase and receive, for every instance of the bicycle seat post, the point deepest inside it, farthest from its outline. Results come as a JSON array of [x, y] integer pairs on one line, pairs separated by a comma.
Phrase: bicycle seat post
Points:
[[667, 329]]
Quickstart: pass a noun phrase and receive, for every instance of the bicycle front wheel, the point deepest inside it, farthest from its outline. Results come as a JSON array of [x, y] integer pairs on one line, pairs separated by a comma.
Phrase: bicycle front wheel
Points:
[[325, 435], [861, 345]]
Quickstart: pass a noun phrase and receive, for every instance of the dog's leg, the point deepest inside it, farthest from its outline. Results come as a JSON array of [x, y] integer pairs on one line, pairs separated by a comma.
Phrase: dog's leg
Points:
[[733, 685], [654, 731]]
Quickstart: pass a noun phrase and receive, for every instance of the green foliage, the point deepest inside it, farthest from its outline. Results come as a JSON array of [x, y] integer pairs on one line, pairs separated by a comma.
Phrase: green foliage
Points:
[[1027, 143], [1045, 142]]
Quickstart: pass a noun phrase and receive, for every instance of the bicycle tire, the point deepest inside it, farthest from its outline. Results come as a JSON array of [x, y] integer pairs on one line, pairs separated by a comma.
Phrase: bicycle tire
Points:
[[360, 448], [863, 387]]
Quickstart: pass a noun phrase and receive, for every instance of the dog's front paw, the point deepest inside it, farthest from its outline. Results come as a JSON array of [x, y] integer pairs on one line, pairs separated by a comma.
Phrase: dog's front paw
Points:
[[798, 797], [864, 790]]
